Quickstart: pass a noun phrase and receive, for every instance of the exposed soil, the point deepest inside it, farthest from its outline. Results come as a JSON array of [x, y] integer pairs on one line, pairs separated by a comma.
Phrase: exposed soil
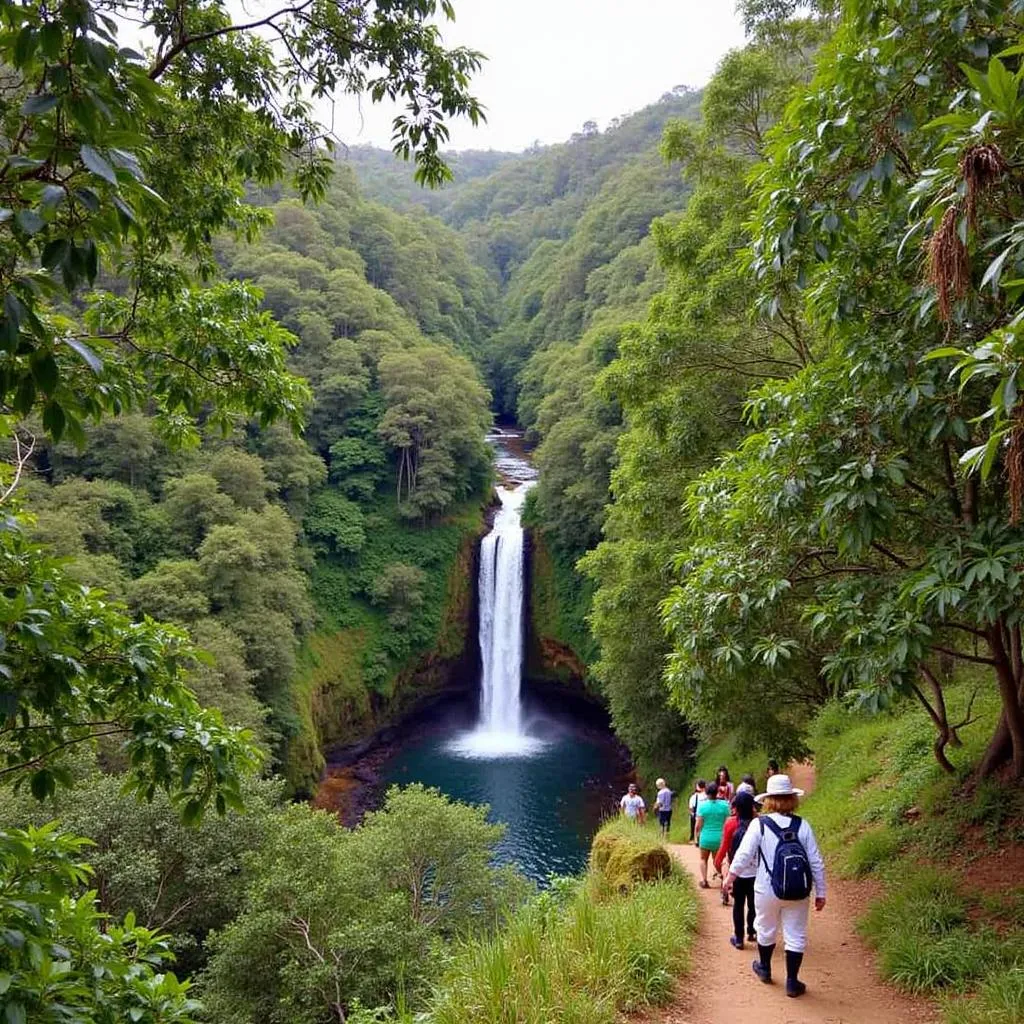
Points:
[[843, 986]]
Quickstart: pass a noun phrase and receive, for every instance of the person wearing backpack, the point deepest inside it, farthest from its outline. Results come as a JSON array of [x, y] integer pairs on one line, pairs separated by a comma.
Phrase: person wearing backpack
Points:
[[781, 849], [743, 888]]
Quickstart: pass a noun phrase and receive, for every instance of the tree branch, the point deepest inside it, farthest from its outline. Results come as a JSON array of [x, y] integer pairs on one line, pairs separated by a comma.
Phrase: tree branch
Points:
[[162, 64], [960, 654], [21, 457], [890, 554], [40, 758]]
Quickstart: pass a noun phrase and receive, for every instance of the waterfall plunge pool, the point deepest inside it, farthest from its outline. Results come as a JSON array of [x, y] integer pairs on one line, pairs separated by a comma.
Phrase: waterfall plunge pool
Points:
[[551, 799]]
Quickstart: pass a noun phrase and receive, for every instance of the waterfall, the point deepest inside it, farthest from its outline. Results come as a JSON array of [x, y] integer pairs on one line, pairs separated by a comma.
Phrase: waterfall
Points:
[[501, 616], [500, 731]]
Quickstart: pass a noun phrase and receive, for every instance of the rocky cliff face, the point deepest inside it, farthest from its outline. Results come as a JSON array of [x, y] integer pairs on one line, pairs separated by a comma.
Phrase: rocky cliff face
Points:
[[558, 643]]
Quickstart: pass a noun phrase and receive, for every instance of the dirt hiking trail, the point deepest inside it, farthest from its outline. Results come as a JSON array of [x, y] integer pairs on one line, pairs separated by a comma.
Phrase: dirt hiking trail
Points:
[[843, 986]]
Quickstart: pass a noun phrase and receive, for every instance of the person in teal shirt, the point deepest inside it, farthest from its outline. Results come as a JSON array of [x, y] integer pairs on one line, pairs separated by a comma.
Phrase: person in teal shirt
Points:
[[711, 815]]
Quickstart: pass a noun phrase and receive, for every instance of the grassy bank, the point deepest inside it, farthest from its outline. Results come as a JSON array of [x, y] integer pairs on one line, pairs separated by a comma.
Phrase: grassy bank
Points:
[[946, 851], [586, 950]]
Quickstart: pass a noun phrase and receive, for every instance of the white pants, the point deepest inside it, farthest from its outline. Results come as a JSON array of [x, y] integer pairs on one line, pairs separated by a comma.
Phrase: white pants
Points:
[[792, 915]]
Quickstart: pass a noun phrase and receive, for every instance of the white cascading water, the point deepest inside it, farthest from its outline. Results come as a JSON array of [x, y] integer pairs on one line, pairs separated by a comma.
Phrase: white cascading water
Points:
[[500, 731], [501, 616]]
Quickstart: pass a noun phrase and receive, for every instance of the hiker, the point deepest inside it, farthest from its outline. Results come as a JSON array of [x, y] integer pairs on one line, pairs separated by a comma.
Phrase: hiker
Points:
[[711, 815], [697, 797], [719, 856], [743, 888], [663, 805], [747, 785], [726, 790], [633, 806], [782, 848], [773, 769]]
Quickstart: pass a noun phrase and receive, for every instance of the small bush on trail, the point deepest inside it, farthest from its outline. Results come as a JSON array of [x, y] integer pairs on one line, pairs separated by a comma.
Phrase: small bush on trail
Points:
[[623, 855]]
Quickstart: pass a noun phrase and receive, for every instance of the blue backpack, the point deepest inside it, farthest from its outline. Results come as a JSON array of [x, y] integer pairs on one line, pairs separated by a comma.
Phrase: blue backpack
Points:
[[791, 873]]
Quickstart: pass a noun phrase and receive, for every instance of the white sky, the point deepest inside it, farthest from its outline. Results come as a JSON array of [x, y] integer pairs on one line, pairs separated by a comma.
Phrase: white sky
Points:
[[554, 64]]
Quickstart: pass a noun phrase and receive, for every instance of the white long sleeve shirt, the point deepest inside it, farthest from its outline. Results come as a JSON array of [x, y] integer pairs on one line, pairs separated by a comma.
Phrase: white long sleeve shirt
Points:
[[760, 839]]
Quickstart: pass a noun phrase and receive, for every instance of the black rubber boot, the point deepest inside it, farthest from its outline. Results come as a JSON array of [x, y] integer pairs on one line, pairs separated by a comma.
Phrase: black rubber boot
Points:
[[794, 986], [763, 967]]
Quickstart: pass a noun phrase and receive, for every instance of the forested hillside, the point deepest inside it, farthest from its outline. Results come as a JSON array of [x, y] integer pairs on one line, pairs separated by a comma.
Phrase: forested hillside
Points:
[[313, 571], [765, 340], [573, 237]]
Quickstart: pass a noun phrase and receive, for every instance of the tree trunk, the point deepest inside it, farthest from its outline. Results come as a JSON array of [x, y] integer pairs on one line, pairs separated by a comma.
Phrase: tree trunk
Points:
[[937, 713], [999, 750], [1009, 692]]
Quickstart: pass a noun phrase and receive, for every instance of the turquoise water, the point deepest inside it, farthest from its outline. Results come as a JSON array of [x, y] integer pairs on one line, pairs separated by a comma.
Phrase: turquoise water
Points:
[[552, 800]]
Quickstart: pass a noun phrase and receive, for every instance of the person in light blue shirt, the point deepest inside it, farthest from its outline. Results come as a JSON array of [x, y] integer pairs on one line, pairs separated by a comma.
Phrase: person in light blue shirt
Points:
[[663, 805]]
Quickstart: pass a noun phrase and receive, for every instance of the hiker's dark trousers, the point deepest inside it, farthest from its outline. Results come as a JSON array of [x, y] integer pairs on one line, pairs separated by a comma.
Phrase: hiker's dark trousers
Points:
[[743, 894]]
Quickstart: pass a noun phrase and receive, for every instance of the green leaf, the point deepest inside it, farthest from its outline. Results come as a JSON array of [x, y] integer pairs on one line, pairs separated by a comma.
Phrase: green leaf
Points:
[[94, 362], [96, 163], [55, 252], [994, 269], [25, 396], [38, 104], [26, 163], [54, 420], [1010, 394], [50, 39], [45, 372], [30, 222], [14, 1013], [25, 46], [53, 196], [946, 352]]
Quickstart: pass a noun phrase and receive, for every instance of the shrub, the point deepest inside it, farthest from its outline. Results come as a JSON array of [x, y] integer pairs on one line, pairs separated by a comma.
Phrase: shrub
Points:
[[927, 903], [924, 963], [624, 855], [926, 940]]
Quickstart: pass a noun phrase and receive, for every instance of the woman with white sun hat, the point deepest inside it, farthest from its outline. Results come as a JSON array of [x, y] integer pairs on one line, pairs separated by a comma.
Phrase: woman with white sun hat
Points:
[[784, 851]]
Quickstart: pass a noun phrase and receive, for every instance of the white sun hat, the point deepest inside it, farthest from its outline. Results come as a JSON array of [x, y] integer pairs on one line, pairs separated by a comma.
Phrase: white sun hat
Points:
[[780, 785]]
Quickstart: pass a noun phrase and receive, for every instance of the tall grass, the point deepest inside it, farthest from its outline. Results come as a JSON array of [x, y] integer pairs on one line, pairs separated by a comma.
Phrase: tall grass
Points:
[[999, 1001], [582, 953]]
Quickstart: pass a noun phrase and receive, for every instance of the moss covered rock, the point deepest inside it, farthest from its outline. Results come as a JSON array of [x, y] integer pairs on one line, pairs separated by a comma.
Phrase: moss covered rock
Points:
[[624, 855]]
